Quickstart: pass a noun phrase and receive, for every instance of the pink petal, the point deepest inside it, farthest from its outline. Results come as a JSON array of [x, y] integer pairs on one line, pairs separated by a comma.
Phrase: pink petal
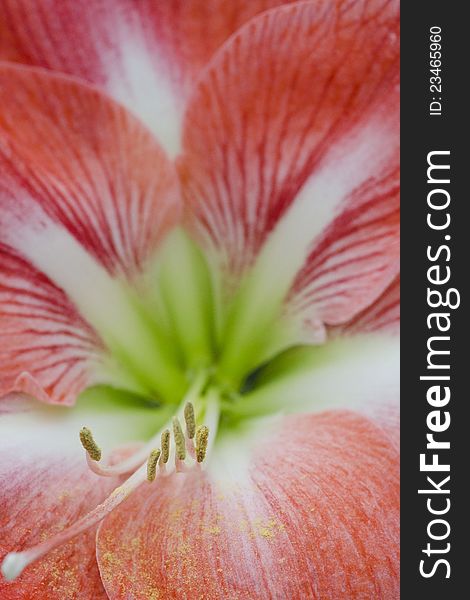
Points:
[[46, 347], [45, 485], [314, 515], [383, 314], [353, 261], [73, 160], [145, 53], [85, 197], [291, 138]]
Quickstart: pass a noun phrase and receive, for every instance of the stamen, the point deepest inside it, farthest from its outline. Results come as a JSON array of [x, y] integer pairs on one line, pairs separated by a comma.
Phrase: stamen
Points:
[[92, 448], [137, 459], [165, 442], [152, 464], [202, 438], [190, 420], [179, 439]]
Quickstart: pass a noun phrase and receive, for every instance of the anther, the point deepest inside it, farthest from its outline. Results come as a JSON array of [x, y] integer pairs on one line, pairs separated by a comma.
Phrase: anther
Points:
[[179, 439], [152, 464], [190, 420], [202, 437], [165, 442], [86, 438]]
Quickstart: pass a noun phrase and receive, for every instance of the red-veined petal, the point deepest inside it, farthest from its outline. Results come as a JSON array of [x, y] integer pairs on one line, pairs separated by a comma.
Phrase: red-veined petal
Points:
[[145, 53], [354, 260], [307, 509], [76, 162], [86, 195], [291, 145], [47, 349], [383, 314]]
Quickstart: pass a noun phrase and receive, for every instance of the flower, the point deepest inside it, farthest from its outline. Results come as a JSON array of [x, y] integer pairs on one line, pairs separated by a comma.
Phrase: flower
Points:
[[199, 227]]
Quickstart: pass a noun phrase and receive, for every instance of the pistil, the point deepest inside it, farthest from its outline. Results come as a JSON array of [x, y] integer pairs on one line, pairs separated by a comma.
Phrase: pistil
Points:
[[15, 562]]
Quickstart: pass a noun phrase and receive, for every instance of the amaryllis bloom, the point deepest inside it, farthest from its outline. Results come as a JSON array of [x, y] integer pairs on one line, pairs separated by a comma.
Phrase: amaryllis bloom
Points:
[[199, 286]]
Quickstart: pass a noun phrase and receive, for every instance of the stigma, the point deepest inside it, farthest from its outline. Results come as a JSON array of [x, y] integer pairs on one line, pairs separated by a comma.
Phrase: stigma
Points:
[[159, 462]]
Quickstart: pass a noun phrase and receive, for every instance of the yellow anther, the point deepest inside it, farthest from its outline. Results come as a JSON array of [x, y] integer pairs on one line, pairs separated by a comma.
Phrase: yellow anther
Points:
[[202, 437], [179, 439], [165, 442], [152, 464], [86, 438], [190, 420]]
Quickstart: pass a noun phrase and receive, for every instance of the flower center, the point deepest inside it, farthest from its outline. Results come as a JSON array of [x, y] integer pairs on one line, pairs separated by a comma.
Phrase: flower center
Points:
[[173, 327], [178, 318]]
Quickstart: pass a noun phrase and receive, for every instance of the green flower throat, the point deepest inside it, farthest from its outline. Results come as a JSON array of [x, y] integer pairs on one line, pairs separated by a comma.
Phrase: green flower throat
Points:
[[175, 328]]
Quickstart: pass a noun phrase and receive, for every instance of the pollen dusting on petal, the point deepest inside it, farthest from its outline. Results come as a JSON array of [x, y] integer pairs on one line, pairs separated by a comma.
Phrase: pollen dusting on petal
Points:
[[152, 464], [202, 437], [190, 420], [179, 439], [86, 438], [165, 443]]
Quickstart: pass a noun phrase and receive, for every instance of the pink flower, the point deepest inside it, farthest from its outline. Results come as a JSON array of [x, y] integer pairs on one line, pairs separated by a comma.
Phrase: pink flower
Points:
[[199, 211]]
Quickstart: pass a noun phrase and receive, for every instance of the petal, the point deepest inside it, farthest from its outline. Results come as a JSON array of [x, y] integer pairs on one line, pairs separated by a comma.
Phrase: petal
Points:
[[382, 315], [312, 514], [354, 260], [86, 195], [77, 165], [47, 349], [45, 485], [291, 145], [145, 54], [355, 372]]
